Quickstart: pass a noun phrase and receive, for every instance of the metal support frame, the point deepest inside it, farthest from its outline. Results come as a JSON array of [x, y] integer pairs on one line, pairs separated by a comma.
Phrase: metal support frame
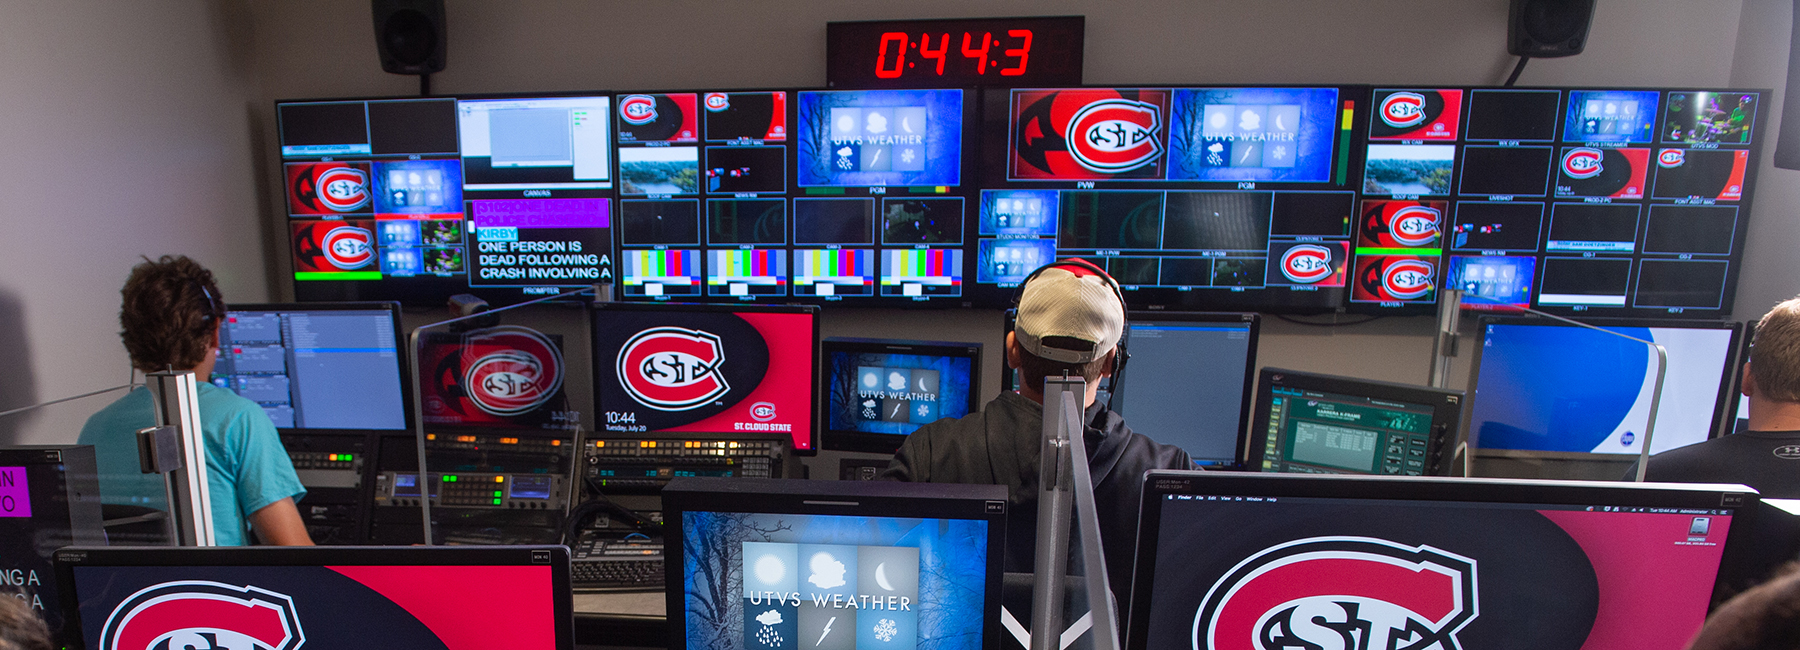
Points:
[[602, 292], [1065, 498], [175, 398], [1449, 320]]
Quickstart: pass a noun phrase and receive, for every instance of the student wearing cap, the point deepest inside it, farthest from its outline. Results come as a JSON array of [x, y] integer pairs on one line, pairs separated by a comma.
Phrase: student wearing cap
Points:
[[1070, 319], [1767, 456], [170, 321]]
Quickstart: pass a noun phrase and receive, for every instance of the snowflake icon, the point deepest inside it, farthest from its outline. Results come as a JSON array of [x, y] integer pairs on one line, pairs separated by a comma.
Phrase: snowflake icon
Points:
[[906, 155], [885, 629], [924, 410]]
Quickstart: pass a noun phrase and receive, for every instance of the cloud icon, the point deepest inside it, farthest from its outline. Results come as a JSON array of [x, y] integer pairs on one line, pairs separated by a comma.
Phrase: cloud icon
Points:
[[826, 571], [770, 617]]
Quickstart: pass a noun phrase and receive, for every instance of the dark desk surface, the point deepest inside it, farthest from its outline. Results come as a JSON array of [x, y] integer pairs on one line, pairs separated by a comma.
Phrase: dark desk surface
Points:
[[621, 620]]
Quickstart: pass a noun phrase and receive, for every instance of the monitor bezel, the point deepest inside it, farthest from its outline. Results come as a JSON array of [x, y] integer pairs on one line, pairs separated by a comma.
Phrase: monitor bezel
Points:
[[1254, 319], [1726, 384], [556, 557], [405, 357], [1447, 404], [888, 443], [603, 359], [1157, 483], [986, 503]]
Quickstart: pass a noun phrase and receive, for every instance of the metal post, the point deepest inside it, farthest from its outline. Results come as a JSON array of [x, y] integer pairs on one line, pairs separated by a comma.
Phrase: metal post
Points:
[[1443, 346], [175, 398], [1065, 498], [1055, 481]]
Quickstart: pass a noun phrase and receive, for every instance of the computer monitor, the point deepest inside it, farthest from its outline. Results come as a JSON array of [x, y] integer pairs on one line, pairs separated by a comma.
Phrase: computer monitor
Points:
[[1325, 424], [681, 369], [1236, 198], [877, 391], [317, 366], [1188, 381], [1186, 358], [1228, 560], [420, 198], [340, 597], [49, 498], [769, 563], [1545, 387]]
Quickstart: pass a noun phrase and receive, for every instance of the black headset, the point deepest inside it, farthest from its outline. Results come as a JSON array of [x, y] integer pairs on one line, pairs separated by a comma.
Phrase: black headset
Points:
[[1123, 355]]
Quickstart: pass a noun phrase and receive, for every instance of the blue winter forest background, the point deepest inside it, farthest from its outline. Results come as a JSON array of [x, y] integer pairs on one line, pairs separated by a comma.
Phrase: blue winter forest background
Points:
[[952, 569]]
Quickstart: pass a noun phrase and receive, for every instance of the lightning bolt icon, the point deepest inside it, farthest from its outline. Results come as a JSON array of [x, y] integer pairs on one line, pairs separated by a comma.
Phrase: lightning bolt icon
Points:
[[827, 631]]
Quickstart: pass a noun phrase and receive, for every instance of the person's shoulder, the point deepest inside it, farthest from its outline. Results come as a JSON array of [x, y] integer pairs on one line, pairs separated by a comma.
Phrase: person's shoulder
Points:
[[130, 411], [222, 407]]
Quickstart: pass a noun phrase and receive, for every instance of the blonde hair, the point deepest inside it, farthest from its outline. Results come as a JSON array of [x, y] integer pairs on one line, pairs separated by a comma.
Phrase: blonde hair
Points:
[[1775, 353]]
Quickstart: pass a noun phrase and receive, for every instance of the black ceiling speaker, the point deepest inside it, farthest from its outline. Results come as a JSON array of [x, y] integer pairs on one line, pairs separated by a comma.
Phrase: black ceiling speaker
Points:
[[409, 34], [1543, 29]]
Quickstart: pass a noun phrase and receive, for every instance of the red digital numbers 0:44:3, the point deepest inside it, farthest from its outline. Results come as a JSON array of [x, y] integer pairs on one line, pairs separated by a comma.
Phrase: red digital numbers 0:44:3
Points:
[[1013, 47]]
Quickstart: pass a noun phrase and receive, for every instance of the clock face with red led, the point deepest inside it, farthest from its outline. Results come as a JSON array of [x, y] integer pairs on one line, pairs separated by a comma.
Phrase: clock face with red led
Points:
[[955, 53]]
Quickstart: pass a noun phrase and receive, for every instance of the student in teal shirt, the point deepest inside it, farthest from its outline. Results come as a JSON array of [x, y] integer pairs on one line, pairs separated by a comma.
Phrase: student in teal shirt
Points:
[[170, 319]]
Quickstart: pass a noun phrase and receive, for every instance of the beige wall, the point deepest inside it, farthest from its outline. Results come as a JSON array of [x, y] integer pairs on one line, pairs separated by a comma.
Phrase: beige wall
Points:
[[167, 106], [126, 130]]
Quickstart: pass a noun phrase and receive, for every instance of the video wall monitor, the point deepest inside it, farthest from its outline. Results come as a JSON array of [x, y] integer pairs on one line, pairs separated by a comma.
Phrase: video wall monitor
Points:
[[1325, 424], [687, 369], [1544, 387], [49, 498], [337, 597], [1230, 560], [317, 366], [856, 564], [417, 199], [1192, 197], [1188, 381], [1603, 202], [756, 196], [500, 378], [877, 391]]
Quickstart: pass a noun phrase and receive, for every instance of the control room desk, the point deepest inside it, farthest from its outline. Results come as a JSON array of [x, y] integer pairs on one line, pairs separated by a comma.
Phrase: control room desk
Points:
[[628, 619]]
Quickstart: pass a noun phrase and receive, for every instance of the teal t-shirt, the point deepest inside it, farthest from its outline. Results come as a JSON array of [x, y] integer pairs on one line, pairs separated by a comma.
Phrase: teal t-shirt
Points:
[[246, 467]]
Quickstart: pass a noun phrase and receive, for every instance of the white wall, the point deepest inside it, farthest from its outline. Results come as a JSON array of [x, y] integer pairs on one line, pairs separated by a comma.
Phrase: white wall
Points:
[[126, 131], [1768, 275]]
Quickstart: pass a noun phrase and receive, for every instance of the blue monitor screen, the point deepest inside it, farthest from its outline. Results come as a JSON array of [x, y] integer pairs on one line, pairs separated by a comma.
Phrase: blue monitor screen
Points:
[[833, 582], [877, 138], [1568, 389], [315, 368], [1253, 134], [881, 392]]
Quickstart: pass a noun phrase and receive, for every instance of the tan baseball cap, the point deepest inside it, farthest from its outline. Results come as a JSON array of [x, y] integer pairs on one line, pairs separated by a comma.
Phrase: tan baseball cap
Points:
[[1071, 301]]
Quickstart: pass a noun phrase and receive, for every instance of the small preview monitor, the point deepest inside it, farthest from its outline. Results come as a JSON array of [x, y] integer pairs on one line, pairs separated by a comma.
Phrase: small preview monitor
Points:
[[49, 498], [317, 366], [683, 369], [1324, 424], [838, 565], [1542, 386], [1188, 381], [338, 597], [1230, 560], [877, 391]]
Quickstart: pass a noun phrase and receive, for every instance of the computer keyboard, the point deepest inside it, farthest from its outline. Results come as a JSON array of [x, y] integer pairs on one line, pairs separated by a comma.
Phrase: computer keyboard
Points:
[[617, 565]]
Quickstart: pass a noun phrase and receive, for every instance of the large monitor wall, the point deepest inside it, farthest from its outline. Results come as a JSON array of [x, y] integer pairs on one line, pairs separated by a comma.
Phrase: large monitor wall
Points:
[[1615, 202]]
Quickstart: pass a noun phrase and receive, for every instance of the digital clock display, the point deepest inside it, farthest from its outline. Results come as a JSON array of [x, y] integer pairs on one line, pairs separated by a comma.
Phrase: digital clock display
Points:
[[956, 52]]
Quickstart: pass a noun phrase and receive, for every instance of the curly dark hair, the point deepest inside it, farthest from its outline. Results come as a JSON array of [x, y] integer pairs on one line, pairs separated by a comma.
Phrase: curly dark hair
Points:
[[170, 312], [20, 629]]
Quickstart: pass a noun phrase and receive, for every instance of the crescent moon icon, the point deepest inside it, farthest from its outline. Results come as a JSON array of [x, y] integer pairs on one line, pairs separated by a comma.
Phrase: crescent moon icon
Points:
[[881, 577]]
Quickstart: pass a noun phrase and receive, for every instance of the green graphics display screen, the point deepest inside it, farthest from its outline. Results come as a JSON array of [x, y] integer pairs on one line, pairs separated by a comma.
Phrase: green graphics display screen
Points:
[[1328, 433]]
